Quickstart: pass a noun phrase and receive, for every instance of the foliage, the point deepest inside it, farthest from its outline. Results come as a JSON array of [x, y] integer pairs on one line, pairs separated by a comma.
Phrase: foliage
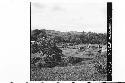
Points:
[[76, 65], [50, 53], [101, 69], [70, 37]]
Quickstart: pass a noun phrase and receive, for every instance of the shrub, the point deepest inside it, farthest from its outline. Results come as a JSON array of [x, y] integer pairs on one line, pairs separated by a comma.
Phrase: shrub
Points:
[[101, 69], [74, 60], [35, 59], [68, 61], [34, 48], [51, 54], [64, 61]]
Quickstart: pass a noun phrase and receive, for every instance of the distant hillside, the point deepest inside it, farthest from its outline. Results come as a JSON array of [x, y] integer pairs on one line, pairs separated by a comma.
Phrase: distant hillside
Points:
[[70, 37]]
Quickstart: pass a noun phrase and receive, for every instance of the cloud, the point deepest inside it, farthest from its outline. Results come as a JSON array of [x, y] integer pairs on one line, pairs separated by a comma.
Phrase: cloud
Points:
[[38, 5], [90, 15], [57, 8], [49, 7]]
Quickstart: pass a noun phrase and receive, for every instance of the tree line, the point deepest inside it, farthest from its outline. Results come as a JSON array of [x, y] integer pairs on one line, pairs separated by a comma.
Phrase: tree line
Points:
[[70, 37]]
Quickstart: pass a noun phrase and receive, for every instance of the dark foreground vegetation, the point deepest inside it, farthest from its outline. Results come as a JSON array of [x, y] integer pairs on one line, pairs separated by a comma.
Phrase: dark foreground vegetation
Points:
[[68, 56]]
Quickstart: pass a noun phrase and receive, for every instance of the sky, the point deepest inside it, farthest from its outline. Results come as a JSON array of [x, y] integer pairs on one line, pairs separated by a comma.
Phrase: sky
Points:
[[69, 16]]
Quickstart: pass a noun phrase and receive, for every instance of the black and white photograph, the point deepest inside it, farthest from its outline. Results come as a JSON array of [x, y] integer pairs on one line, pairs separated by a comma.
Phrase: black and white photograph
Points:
[[62, 41], [69, 41]]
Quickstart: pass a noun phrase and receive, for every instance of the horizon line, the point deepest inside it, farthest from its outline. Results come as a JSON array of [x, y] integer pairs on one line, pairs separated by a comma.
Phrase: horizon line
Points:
[[69, 31]]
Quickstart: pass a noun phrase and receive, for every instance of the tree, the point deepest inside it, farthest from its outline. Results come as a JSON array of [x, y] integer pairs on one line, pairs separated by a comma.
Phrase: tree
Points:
[[51, 54], [34, 34], [42, 34]]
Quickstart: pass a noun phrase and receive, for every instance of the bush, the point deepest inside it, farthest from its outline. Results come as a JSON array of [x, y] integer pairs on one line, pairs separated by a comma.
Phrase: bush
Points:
[[34, 48], [74, 60], [35, 60], [69, 61], [51, 54], [101, 69], [64, 62]]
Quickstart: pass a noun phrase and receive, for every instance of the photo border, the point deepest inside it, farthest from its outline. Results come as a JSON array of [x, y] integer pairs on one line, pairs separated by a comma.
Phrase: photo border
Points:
[[109, 41]]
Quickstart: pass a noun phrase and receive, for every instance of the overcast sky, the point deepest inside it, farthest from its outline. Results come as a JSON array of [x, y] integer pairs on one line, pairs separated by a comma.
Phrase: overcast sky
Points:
[[69, 16]]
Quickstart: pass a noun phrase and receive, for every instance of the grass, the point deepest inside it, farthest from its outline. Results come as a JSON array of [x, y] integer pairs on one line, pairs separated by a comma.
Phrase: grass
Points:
[[84, 72], [91, 68]]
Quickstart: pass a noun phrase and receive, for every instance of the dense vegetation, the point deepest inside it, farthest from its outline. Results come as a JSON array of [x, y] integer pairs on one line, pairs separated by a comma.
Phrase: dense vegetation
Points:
[[56, 56], [70, 37]]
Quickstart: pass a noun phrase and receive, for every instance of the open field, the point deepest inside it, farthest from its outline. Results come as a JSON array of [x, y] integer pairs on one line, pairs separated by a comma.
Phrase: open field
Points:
[[78, 65]]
